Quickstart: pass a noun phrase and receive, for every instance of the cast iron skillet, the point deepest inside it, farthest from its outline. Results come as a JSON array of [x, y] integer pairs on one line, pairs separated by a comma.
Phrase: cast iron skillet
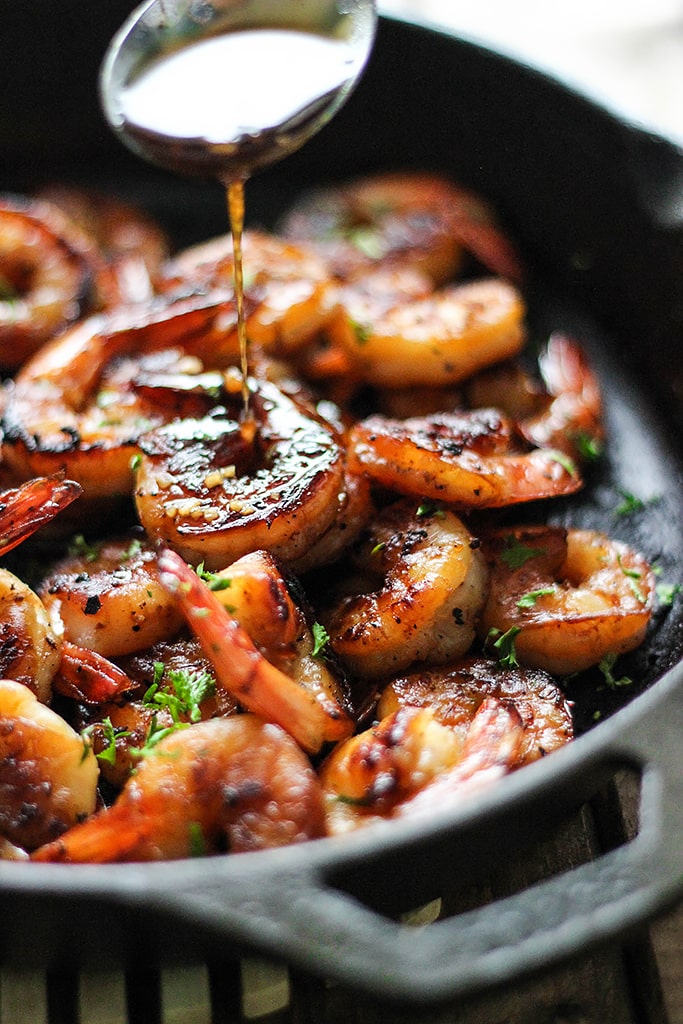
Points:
[[596, 206]]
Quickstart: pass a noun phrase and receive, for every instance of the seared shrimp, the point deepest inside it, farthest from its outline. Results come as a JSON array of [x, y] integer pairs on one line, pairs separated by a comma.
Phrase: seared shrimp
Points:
[[132, 245], [25, 509], [572, 596], [454, 694], [563, 411], [45, 276], [466, 459], [410, 763], [305, 706], [289, 285], [29, 640], [235, 784], [79, 405], [48, 774], [213, 491], [441, 339], [417, 220], [422, 587], [108, 597]]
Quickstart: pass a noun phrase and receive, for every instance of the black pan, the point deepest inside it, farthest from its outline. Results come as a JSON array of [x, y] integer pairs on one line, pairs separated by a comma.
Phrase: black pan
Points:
[[596, 205]]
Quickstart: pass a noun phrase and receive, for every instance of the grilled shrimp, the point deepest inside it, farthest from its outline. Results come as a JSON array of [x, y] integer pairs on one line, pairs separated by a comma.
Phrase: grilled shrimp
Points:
[[308, 705], [213, 491], [29, 640], [27, 508], [563, 411], [230, 784], [409, 763], [466, 459], [442, 338], [79, 405], [455, 692], [48, 775], [572, 596], [289, 285], [422, 586], [45, 276], [108, 597], [420, 220], [131, 244]]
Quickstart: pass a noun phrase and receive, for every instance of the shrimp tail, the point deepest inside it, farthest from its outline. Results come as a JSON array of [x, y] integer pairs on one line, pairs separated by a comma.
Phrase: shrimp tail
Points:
[[23, 510]]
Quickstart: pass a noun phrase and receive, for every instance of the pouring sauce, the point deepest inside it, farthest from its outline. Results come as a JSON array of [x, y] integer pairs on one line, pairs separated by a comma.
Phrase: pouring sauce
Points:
[[225, 106]]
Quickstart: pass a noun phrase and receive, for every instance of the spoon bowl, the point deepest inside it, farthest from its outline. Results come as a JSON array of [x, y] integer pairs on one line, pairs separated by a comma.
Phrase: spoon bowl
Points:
[[223, 88]]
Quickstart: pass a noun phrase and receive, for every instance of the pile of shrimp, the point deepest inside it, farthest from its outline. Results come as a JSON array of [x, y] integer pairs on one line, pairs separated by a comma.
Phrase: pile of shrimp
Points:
[[241, 628]]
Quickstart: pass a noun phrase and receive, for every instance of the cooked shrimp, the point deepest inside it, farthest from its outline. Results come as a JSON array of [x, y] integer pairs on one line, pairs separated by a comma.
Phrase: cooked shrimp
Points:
[[424, 587], [441, 339], [133, 246], [409, 763], [303, 706], [108, 597], [418, 220], [87, 676], [237, 784], [466, 459], [25, 509], [571, 596], [48, 775], [289, 285], [29, 640], [563, 411], [77, 406], [45, 276], [454, 694], [213, 491]]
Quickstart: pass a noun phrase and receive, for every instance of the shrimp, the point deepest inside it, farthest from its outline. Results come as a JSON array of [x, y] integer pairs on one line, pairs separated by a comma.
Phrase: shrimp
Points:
[[455, 692], [213, 491], [304, 706], [466, 459], [133, 247], [571, 596], [108, 597], [25, 509], [77, 406], [45, 276], [565, 413], [290, 285], [48, 775], [424, 587], [237, 784], [440, 339], [409, 763], [418, 220], [30, 641]]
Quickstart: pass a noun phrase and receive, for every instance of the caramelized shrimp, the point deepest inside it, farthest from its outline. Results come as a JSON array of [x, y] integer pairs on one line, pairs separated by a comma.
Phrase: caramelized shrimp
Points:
[[440, 339], [213, 490], [571, 596], [25, 509], [45, 277], [418, 220], [108, 597], [48, 775], [78, 406], [409, 763], [454, 694], [304, 706], [422, 587], [231, 784], [29, 640], [466, 459], [289, 286], [562, 411]]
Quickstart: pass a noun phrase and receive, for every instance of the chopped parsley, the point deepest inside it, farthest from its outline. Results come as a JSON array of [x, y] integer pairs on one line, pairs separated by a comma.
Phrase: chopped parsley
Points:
[[504, 646], [606, 666], [515, 554], [629, 504], [321, 639], [81, 548], [529, 599], [213, 580], [428, 509], [666, 592]]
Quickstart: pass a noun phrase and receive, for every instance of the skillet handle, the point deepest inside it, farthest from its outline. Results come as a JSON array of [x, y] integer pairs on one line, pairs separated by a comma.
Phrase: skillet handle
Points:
[[325, 931]]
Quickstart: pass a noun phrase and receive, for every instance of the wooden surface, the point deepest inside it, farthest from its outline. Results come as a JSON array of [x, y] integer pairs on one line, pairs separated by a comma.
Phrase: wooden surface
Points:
[[635, 982]]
